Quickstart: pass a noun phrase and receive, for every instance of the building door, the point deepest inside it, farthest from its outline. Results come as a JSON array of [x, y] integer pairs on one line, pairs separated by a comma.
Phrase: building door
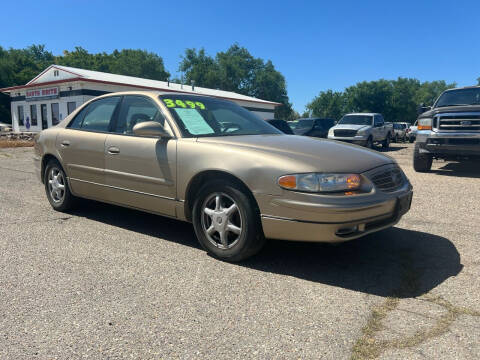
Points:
[[43, 109]]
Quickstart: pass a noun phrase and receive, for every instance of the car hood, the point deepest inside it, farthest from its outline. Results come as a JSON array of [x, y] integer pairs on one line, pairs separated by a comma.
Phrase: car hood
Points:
[[350, 126], [450, 109], [310, 154]]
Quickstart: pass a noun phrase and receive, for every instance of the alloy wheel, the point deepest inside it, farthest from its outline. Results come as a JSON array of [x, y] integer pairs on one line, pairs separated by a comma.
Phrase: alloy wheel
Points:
[[221, 220], [56, 185]]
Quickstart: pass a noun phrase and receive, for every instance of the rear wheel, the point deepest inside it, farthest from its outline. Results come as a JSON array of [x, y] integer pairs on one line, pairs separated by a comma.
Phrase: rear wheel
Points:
[[369, 143], [421, 162], [226, 221], [396, 138], [56, 187], [386, 142]]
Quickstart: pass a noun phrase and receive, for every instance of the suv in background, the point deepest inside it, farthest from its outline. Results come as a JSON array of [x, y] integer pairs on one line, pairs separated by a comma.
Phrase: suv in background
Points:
[[281, 125], [450, 130], [363, 129], [400, 132], [315, 127]]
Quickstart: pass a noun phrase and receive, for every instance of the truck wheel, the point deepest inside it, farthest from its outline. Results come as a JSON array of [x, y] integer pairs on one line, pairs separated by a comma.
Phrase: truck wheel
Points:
[[227, 222], [386, 142], [369, 143], [396, 138], [421, 162], [411, 140]]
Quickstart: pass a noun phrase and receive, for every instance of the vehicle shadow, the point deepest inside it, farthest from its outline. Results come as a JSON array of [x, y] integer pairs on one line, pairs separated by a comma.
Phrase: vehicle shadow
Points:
[[397, 147], [393, 262], [460, 169]]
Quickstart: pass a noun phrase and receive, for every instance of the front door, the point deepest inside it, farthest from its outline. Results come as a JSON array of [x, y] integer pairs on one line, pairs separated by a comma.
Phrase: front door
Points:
[[82, 148], [140, 171], [43, 111]]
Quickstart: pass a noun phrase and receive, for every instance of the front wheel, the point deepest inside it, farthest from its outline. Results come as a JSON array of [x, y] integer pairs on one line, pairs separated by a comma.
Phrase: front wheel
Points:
[[421, 162], [369, 143], [227, 222]]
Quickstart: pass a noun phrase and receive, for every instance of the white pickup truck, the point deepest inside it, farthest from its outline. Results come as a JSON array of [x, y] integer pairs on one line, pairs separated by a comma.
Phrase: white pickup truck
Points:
[[363, 129]]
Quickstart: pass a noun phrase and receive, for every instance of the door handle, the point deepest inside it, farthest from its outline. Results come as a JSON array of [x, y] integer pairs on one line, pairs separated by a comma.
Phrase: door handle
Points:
[[65, 143], [113, 150]]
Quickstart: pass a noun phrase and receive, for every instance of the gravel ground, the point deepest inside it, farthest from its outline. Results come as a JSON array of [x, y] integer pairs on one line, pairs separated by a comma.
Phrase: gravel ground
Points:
[[107, 282]]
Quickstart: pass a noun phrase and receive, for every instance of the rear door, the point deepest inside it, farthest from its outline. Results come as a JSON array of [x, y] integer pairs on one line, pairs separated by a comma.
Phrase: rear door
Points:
[[82, 147], [140, 172]]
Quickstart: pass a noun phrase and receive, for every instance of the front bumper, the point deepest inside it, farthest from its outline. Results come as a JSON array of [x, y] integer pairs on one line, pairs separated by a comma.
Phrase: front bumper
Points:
[[287, 219], [455, 144], [357, 139]]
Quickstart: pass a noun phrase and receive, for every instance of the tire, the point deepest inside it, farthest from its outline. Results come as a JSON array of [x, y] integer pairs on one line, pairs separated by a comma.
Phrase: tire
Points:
[[246, 238], [396, 138], [369, 143], [57, 188], [411, 140], [404, 138], [421, 162], [386, 142]]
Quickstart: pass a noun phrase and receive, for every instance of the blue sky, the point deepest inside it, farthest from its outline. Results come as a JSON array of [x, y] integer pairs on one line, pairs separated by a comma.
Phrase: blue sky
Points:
[[316, 45]]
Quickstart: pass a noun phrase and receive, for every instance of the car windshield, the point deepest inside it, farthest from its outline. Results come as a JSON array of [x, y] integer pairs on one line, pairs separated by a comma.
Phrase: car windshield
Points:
[[356, 120], [459, 97], [199, 116], [301, 124]]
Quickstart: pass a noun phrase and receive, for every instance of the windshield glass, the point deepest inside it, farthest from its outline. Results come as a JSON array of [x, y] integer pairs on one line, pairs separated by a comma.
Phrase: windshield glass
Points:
[[301, 124], [459, 97], [356, 120], [199, 116]]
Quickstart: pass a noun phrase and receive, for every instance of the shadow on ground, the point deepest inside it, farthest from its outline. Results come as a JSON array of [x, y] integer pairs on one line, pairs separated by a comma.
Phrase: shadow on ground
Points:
[[461, 169], [390, 148], [381, 264]]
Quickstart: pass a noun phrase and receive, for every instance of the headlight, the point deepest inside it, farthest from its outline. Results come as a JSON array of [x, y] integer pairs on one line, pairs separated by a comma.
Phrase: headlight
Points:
[[330, 132], [425, 124], [315, 182]]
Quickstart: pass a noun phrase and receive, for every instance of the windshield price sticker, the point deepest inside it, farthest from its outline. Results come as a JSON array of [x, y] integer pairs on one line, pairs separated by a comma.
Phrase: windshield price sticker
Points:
[[171, 103]]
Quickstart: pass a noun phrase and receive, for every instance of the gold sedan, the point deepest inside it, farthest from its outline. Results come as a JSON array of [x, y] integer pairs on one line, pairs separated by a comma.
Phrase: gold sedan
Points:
[[213, 163]]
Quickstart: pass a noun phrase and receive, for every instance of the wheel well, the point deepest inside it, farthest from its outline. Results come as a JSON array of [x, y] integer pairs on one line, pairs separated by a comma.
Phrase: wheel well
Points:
[[200, 179], [46, 158]]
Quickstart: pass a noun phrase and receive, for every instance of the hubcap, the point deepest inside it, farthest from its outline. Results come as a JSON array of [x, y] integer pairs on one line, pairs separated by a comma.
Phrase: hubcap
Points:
[[221, 220], [56, 185]]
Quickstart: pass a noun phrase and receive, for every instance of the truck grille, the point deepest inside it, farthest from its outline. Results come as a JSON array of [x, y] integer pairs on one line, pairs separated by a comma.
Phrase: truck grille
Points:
[[388, 180], [345, 133], [458, 122]]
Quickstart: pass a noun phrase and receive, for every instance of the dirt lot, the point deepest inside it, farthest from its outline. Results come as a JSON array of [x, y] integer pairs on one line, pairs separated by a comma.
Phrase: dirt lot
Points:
[[107, 282]]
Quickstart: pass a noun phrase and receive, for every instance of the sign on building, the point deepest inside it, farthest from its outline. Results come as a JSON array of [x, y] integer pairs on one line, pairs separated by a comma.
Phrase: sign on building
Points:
[[41, 94]]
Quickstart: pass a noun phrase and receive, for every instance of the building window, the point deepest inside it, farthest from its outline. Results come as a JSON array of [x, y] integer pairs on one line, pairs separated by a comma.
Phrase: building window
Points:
[[20, 116], [55, 72], [55, 114], [33, 114], [71, 106]]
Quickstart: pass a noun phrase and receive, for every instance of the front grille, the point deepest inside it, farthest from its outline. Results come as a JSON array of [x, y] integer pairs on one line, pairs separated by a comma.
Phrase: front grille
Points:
[[388, 180], [458, 122], [345, 133]]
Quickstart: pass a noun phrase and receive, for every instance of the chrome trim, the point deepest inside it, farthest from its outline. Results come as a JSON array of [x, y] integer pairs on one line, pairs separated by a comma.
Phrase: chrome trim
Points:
[[452, 117], [386, 215], [120, 188]]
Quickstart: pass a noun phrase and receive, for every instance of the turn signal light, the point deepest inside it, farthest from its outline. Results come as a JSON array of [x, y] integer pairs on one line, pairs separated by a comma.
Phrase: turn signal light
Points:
[[288, 181]]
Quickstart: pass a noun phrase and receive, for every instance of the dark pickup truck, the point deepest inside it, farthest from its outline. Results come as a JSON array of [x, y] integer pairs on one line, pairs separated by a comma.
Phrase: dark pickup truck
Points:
[[450, 129]]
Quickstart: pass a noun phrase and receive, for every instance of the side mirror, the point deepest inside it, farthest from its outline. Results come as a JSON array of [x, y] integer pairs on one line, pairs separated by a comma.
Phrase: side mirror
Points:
[[150, 128], [422, 108]]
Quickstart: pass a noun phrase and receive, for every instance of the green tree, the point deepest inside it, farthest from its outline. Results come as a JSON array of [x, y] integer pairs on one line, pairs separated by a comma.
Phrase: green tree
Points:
[[327, 104], [237, 70]]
